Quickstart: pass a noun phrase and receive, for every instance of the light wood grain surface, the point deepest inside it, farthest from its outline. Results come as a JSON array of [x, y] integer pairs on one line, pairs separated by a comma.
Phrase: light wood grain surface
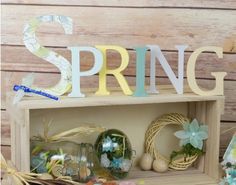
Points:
[[221, 4], [166, 27], [126, 23]]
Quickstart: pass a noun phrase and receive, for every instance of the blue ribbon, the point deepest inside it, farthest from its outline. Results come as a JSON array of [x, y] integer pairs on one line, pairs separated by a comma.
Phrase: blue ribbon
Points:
[[29, 90]]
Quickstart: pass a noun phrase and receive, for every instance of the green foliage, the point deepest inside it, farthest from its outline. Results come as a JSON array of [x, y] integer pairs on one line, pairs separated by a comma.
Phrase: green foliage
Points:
[[186, 151], [229, 165]]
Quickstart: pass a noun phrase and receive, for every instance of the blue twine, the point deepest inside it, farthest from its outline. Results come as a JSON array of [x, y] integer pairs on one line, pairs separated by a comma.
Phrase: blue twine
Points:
[[29, 90]]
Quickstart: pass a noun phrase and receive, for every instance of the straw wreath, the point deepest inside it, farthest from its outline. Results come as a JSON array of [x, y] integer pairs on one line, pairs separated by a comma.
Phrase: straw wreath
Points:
[[155, 128]]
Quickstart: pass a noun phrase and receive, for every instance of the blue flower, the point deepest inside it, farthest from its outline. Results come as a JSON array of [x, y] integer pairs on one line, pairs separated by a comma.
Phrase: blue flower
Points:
[[116, 162], [42, 169], [193, 134], [43, 155], [232, 173], [70, 172], [37, 161], [231, 180]]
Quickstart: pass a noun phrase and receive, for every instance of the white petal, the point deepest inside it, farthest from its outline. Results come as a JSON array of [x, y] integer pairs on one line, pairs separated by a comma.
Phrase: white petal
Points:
[[196, 143], [204, 128], [186, 126], [184, 142], [182, 134], [202, 135], [194, 126]]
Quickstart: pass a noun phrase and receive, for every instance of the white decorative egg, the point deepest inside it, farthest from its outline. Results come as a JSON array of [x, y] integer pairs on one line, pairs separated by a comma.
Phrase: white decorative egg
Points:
[[160, 165], [146, 162]]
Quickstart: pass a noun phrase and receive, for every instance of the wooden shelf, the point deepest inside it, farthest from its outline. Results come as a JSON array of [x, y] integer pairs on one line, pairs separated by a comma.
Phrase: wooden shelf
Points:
[[191, 176], [167, 95], [123, 113]]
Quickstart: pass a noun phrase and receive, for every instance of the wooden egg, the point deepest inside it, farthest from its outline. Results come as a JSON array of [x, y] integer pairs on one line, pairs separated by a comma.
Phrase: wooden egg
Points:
[[160, 165], [57, 170], [146, 162]]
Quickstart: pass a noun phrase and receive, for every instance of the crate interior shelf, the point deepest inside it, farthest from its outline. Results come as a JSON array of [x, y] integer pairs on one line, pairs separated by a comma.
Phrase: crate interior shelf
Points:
[[125, 113], [191, 176]]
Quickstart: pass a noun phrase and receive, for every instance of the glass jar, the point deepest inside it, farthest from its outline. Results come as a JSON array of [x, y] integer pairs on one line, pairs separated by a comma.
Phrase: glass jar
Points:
[[86, 162], [64, 158]]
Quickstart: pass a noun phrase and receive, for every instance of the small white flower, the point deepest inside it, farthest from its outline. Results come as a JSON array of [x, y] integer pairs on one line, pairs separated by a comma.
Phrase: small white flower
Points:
[[126, 165], [105, 162]]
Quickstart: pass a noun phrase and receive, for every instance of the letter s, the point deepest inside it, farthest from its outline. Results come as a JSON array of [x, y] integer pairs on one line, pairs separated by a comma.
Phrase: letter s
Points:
[[32, 44]]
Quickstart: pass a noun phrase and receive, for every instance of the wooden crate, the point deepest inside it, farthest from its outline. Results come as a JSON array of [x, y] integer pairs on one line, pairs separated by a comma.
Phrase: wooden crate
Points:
[[129, 114]]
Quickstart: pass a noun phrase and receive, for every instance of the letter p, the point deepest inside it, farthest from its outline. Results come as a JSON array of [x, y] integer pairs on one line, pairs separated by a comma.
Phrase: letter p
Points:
[[76, 73]]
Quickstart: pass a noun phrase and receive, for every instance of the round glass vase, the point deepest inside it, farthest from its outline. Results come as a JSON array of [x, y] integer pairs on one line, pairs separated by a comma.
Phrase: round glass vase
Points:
[[114, 152]]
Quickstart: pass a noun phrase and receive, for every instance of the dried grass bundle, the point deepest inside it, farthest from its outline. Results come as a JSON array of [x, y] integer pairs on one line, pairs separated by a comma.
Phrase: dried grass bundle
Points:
[[69, 134]]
